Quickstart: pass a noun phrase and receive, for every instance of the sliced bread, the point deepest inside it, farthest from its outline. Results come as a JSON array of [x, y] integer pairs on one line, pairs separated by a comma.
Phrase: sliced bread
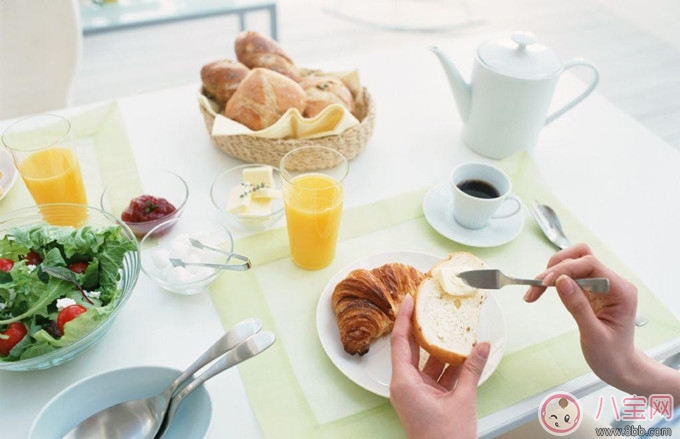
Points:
[[447, 310]]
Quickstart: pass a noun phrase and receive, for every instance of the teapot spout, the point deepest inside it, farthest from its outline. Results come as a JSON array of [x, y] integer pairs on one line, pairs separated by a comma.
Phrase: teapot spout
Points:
[[461, 89]]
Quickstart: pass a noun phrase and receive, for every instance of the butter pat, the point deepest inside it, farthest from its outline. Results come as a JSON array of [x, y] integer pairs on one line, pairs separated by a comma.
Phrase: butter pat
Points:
[[267, 192], [253, 196], [239, 199], [259, 176], [258, 207], [450, 282]]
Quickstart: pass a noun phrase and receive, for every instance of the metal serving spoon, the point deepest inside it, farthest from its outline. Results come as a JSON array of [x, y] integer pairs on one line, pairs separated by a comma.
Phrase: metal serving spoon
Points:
[[249, 348], [141, 418]]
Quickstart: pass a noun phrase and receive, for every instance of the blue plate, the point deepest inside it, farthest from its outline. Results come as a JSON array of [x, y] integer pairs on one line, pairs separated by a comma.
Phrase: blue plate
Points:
[[86, 397]]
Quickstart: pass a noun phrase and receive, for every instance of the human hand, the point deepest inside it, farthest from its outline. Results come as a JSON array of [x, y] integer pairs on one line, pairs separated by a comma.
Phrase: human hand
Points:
[[440, 401], [606, 322]]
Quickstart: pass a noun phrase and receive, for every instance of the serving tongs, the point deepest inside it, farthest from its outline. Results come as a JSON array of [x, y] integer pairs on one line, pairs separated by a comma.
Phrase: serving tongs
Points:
[[246, 265]]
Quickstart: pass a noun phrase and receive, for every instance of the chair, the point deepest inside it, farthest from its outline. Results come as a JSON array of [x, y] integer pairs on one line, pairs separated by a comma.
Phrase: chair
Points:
[[40, 54]]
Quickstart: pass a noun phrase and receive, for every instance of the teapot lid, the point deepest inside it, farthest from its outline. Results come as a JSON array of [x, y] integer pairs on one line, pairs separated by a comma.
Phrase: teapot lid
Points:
[[519, 56]]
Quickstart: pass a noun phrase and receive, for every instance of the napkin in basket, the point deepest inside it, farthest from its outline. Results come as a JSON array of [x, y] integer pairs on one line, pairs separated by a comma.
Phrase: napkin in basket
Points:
[[333, 120]]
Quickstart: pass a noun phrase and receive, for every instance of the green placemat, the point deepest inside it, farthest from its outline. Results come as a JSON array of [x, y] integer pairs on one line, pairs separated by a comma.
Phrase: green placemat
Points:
[[296, 391], [103, 150]]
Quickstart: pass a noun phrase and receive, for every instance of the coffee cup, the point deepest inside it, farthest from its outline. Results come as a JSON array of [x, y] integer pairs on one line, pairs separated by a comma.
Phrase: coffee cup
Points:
[[481, 193]]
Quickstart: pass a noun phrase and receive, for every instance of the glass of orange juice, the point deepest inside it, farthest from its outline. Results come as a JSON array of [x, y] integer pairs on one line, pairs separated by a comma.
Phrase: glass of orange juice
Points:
[[44, 154], [313, 201]]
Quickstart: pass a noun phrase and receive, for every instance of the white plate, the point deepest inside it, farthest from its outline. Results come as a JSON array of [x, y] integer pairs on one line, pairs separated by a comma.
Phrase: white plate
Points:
[[88, 396], [373, 371], [9, 172], [438, 209]]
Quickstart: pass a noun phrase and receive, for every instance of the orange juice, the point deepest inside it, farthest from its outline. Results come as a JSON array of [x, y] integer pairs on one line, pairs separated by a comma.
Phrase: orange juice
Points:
[[53, 176], [313, 204]]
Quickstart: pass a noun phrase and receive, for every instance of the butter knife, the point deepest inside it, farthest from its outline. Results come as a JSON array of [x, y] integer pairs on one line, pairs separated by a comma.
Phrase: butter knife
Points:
[[492, 279]]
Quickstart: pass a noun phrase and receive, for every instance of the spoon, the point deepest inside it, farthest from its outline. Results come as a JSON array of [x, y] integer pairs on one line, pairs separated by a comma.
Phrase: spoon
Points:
[[249, 348], [550, 224], [141, 418]]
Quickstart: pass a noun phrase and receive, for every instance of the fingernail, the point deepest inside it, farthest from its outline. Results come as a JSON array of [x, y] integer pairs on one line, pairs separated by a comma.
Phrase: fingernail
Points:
[[482, 351], [528, 296], [565, 285], [549, 278]]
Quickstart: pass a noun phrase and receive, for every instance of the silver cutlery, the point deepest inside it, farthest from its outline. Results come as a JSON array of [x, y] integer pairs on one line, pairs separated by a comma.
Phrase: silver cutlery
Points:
[[249, 348], [234, 267], [142, 418], [226, 266], [550, 224], [492, 279]]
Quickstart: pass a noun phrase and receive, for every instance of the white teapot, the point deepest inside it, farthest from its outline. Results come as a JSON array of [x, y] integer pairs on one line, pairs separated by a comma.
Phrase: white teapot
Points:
[[506, 104]]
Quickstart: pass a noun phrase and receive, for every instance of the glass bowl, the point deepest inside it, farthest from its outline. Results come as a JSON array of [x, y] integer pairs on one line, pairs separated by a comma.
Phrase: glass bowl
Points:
[[171, 240], [156, 182], [13, 222], [231, 178]]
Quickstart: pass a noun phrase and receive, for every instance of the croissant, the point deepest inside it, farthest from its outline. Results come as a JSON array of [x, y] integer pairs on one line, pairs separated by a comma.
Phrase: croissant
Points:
[[366, 303]]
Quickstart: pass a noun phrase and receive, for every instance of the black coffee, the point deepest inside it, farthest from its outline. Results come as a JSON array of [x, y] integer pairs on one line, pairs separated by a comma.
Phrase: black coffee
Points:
[[478, 189]]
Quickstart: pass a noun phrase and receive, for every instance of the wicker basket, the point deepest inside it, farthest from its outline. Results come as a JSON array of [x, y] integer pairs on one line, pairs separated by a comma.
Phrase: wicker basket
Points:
[[253, 149]]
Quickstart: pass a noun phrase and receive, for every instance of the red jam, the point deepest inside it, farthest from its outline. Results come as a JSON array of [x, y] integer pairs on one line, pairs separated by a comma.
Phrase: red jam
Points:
[[147, 208]]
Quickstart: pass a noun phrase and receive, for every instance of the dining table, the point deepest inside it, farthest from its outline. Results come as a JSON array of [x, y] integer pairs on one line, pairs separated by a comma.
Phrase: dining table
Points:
[[613, 182]]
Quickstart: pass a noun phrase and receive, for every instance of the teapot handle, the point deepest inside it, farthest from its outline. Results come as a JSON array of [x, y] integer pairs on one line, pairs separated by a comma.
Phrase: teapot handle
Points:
[[596, 77]]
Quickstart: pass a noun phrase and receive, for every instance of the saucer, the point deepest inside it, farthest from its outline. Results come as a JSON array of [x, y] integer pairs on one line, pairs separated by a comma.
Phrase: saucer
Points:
[[438, 209]]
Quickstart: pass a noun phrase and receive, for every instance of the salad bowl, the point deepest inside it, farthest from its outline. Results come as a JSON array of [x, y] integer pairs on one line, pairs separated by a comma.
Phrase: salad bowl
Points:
[[48, 271]]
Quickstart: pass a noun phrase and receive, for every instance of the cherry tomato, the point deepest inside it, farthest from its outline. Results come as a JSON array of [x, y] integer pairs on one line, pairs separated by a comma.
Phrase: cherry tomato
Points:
[[67, 314], [78, 267], [6, 264], [14, 333], [32, 258]]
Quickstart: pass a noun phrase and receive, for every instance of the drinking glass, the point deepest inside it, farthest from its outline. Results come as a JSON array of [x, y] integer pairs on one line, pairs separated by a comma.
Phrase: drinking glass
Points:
[[44, 154], [312, 178]]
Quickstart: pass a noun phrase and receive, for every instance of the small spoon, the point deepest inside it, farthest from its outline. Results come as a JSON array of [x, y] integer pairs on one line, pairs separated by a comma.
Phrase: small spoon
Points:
[[249, 348], [141, 418]]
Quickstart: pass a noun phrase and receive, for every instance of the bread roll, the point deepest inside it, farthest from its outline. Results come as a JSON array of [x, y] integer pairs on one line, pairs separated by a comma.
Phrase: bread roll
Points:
[[323, 91], [263, 97], [366, 303], [221, 79], [447, 310], [257, 50]]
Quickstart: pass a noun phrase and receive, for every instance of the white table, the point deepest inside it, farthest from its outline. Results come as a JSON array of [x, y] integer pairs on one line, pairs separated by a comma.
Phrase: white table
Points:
[[617, 177], [104, 16]]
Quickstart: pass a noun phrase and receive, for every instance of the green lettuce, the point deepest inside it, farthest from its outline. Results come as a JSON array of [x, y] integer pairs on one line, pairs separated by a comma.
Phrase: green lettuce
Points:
[[29, 294]]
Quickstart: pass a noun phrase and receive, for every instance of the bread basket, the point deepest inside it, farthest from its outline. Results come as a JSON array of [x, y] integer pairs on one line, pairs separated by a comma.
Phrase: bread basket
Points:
[[251, 149]]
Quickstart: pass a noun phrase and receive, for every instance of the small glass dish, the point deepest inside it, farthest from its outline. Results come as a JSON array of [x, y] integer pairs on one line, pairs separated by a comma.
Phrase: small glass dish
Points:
[[172, 240], [231, 178], [94, 218], [155, 182]]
